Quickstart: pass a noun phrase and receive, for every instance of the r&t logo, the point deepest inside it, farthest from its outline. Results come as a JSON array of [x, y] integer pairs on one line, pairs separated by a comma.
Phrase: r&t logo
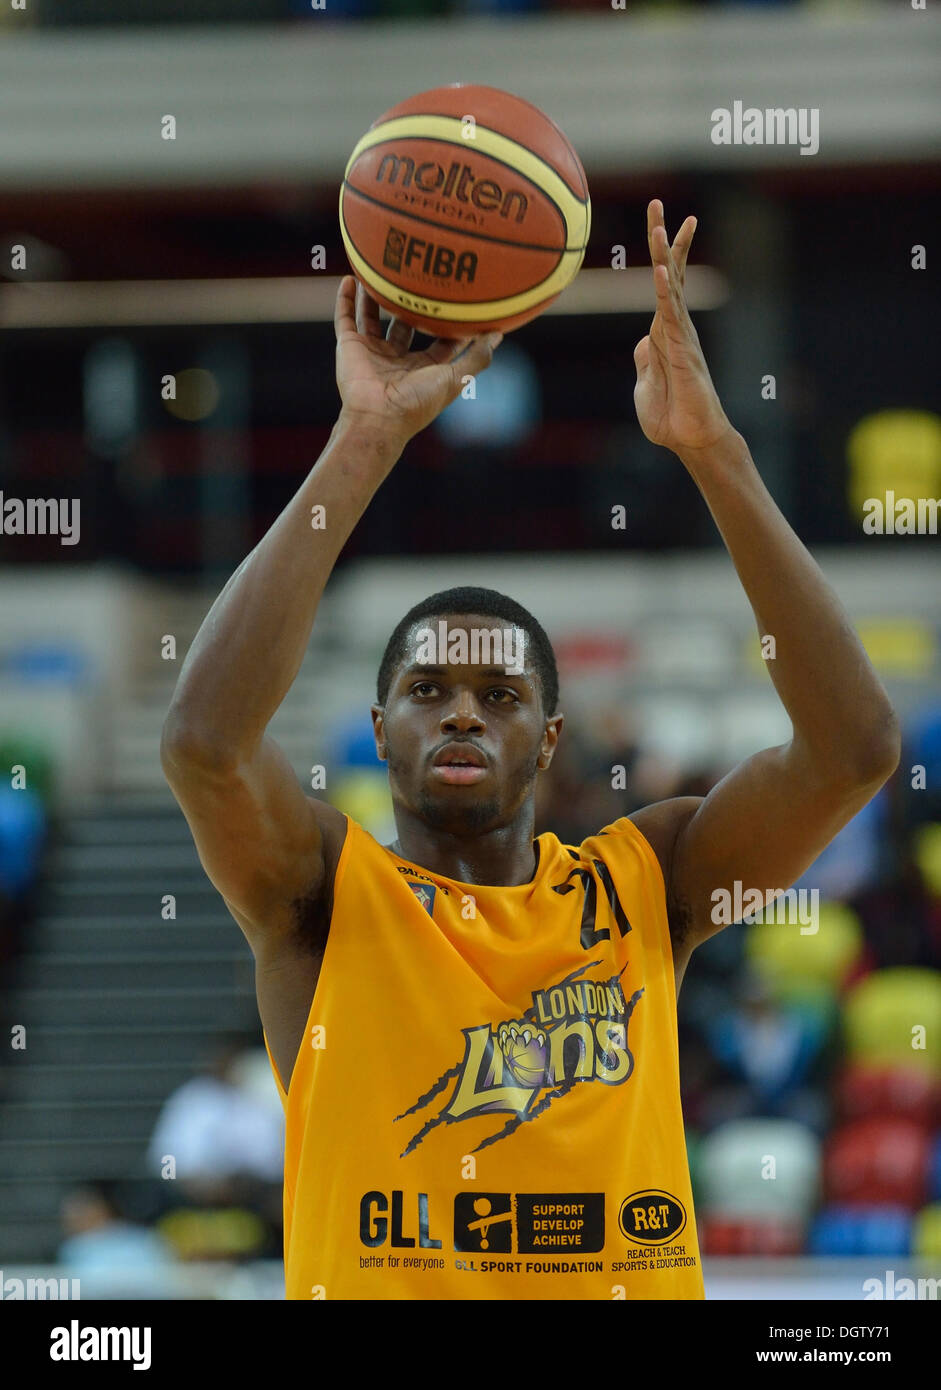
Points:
[[651, 1217]]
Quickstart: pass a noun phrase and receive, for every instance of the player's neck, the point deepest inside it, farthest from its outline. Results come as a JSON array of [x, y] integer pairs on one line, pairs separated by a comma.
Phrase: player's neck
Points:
[[504, 857]]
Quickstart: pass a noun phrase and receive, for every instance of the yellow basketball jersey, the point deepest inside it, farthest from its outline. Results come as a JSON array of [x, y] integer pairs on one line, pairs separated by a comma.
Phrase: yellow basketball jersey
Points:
[[486, 1101]]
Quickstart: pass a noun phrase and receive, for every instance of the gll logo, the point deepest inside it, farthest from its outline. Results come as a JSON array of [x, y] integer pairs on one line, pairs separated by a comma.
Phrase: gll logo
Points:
[[651, 1217]]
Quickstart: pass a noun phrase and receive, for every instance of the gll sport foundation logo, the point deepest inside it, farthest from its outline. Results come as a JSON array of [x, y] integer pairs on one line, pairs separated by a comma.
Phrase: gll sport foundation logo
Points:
[[528, 1223], [573, 1032]]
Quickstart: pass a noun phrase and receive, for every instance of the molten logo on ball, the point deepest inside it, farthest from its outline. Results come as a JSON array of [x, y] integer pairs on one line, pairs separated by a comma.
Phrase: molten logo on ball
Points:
[[459, 182]]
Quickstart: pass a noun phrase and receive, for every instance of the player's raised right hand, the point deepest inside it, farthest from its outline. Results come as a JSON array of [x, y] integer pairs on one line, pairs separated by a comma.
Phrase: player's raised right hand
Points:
[[388, 389]]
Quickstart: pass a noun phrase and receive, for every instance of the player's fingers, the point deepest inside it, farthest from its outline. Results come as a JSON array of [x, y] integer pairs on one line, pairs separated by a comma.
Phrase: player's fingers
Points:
[[400, 335], [654, 220], [476, 358], [681, 245], [665, 266], [367, 314], [344, 314], [642, 355], [662, 255], [660, 248], [360, 309], [663, 287], [446, 349], [670, 302]]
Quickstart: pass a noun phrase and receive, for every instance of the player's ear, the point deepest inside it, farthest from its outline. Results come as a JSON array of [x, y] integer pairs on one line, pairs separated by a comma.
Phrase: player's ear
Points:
[[550, 741], [377, 713]]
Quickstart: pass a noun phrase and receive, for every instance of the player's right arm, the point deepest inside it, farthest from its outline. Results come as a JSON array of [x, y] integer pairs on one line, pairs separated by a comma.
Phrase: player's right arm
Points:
[[260, 838]]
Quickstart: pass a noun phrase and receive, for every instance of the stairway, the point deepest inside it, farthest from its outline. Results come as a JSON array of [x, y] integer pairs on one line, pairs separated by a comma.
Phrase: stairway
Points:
[[119, 1007]]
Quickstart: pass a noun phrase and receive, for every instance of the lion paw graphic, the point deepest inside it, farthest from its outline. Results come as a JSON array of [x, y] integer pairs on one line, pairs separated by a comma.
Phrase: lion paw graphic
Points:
[[525, 1053]]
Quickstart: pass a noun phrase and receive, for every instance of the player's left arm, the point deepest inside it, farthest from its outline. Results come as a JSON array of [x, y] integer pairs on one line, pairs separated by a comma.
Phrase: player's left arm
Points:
[[769, 819]]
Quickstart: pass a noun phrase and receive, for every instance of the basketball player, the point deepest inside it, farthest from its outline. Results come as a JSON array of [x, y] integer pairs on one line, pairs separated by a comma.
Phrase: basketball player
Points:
[[474, 1031]]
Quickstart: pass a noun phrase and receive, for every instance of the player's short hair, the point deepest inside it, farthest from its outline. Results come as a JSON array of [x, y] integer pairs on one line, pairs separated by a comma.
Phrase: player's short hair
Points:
[[489, 603]]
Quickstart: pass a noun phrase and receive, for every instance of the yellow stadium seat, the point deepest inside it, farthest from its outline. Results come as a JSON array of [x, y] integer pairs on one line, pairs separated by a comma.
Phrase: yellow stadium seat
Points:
[[796, 962], [926, 1232], [364, 794], [895, 1016], [928, 855], [899, 646], [897, 451]]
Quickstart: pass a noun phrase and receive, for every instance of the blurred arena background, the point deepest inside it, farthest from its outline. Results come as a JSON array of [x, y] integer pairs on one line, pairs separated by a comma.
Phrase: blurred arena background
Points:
[[126, 990]]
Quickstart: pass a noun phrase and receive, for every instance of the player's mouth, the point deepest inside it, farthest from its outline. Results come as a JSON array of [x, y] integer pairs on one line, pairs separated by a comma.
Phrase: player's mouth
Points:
[[459, 763]]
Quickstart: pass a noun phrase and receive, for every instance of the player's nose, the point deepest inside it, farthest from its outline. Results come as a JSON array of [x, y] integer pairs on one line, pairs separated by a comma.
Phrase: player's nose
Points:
[[464, 716]]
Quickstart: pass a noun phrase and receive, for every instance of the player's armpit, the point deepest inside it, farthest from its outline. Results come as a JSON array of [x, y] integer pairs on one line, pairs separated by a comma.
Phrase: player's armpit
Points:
[[259, 837], [759, 829], [660, 824]]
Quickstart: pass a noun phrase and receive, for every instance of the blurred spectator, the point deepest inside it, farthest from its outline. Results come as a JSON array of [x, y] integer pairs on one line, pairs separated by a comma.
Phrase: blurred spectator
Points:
[[24, 830], [22, 834], [851, 861], [770, 1049], [901, 917], [600, 773], [101, 1247], [216, 1130], [224, 1130]]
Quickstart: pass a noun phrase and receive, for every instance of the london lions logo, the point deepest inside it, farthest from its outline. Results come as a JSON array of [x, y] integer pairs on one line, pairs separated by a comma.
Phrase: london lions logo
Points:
[[425, 895], [573, 1032]]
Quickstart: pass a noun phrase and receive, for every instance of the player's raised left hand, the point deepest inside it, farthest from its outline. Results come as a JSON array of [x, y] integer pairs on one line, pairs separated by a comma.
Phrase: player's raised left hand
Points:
[[676, 402]]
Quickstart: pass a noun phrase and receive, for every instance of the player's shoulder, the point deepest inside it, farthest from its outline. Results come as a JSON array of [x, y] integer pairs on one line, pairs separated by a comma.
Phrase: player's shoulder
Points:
[[334, 826], [659, 824]]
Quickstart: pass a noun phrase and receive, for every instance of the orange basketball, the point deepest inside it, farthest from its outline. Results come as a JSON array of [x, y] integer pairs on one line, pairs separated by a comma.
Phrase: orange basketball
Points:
[[464, 210]]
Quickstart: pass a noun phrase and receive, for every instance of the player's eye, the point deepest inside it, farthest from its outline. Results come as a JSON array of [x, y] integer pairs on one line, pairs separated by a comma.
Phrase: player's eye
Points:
[[505, 690], [422, 685]]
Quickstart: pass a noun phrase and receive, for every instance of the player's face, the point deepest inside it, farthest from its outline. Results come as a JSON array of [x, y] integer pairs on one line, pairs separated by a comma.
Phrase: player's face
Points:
[[463, 736]]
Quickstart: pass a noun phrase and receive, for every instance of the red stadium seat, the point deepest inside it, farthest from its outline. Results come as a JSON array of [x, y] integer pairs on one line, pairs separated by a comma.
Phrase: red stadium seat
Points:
[[878, 1161], [865, 1091], [720, 1236]]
